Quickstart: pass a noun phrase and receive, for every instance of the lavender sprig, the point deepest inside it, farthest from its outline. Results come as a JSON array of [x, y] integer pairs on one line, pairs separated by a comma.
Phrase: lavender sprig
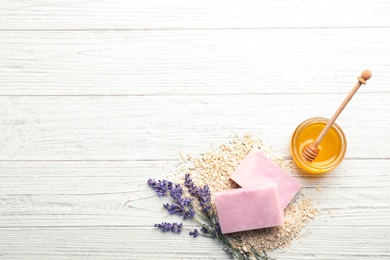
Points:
[[182, 207], [194, 233], [204, 198], [203, 194], [161, 187], [190, 184], [173, 227], [202, 214]]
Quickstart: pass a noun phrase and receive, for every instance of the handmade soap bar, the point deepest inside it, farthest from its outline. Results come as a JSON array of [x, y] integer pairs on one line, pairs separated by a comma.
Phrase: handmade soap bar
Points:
[[257, 170], [248, 208]]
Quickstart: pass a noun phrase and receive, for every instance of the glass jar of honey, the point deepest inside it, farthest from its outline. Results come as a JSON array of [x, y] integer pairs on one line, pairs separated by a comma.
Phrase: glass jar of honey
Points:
[[331, 149]]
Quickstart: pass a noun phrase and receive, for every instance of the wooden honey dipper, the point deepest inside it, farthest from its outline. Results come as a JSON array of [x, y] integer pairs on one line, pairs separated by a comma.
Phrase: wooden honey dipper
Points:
[[310, 151]]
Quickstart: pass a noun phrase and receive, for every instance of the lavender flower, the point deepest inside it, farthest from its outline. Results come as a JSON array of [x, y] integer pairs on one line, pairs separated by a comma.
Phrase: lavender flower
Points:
[[190, 184], [173, 227], [182, 207], [161, 187], [203, 194], [204, 198], [174, 209], [189, 214], [186, 202], [194, 233], [204, 230], [176, 192]]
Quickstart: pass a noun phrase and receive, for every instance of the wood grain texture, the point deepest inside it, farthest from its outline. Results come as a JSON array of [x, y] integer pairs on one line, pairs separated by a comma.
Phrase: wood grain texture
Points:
[[98, 96], [201, 14], [104, 194], [105, 209], [135, 128], [119, 243], [216, 62]]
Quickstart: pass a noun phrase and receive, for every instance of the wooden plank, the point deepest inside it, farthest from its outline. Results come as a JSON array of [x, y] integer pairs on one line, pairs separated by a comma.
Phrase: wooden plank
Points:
[[102, 243], [130, 243], [200, 14], [96, 210], [157, 127], [115, 194], [221, 62], [359, 207]]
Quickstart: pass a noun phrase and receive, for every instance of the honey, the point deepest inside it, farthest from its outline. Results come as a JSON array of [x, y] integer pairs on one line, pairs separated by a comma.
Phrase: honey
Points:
[[331, 149]]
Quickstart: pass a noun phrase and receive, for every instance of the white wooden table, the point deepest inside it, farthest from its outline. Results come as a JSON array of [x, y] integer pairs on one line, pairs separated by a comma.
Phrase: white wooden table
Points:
[[98, 96]]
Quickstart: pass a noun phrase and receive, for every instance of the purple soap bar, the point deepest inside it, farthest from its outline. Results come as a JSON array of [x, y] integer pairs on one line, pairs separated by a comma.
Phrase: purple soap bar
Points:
[[248, 208], [257, 170]]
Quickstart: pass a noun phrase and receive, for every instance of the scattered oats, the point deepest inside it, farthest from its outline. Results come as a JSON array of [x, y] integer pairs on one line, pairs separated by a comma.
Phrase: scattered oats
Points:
[[319, 189], [183, 158], [215, 166]]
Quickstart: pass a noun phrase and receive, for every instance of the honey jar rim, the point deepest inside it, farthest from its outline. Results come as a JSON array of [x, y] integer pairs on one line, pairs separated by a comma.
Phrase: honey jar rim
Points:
[[297, 156]]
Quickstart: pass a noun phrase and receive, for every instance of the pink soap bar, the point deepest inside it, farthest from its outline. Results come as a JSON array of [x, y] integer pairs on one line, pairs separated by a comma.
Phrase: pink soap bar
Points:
[[248, 208], [256, 170]]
